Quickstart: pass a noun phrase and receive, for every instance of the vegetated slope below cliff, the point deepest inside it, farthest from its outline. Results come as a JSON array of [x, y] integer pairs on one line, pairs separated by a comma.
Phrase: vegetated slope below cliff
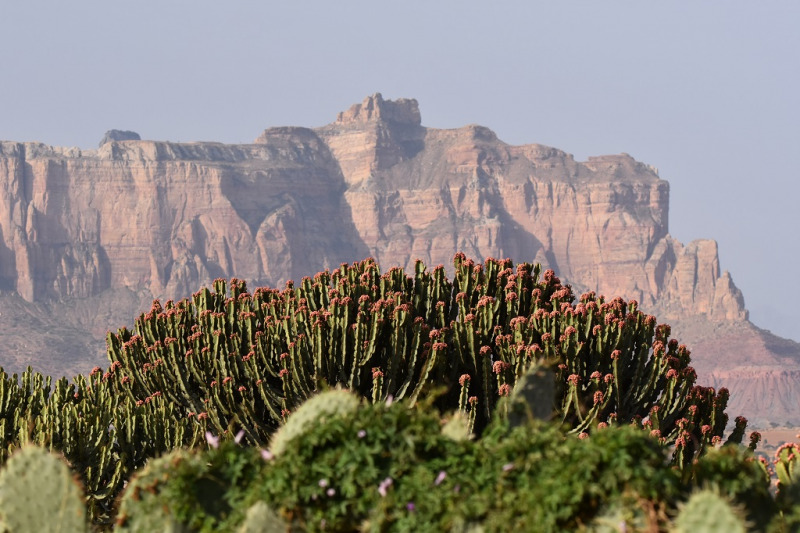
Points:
[[63, 338], [760, 369], [32, 334], [87, 238]]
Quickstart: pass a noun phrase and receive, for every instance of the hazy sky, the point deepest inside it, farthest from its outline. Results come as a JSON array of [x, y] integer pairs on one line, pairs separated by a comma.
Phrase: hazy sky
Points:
[[705, 91]]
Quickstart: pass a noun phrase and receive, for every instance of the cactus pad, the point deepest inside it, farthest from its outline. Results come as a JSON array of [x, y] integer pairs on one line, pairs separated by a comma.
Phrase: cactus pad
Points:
[[38, 492], [707, 510], [326, 405]]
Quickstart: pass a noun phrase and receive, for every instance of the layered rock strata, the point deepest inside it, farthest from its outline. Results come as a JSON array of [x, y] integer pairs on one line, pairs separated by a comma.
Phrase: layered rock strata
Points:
[[159, 219]]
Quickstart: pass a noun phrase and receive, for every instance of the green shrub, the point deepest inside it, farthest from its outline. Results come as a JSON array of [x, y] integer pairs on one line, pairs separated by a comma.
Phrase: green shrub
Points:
[[392, 469], [336, 469], [190, 491], [560, 483], [737, 475]]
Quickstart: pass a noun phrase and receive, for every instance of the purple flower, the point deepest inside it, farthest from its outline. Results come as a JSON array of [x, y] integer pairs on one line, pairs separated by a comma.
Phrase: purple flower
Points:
[[440, 478], [212, 440], [238, 438], [361, 433], [323, 483], [267, 455], [411, 507], [385, 484], [389, 400], [508, 466], [331, 492]]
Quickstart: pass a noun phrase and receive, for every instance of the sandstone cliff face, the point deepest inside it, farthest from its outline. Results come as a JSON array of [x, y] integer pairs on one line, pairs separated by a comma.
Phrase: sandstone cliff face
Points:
[[423, 193], [167, 217], [137, 219]]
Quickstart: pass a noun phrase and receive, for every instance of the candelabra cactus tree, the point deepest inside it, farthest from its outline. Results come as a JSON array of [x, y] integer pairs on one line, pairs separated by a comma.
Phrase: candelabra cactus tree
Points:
[[103, 433], [235, 358]]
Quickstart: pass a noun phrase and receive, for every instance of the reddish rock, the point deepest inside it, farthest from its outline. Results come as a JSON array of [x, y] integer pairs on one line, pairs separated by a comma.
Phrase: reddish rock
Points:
[[137, 219]]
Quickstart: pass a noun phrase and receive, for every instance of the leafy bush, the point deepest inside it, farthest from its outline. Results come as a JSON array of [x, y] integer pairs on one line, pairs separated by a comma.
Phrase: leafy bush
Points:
[[737, 475], [391, 468], [190, 491]]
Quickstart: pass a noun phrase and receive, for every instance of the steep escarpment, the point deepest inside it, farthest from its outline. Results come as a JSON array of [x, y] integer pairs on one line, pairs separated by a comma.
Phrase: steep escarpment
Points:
[[103, 231], [168, 217], [602, 224]]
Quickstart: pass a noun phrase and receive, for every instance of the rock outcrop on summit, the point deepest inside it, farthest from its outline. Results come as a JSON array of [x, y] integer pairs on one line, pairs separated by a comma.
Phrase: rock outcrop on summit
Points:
[[137, 219]]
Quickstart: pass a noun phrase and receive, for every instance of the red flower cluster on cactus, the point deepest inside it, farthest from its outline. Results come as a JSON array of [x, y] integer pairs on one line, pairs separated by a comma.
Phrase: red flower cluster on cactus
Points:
[[499, 366]]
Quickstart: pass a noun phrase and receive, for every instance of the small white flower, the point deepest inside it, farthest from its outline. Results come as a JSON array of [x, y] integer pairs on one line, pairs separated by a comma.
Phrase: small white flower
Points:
[[385, 484], [212, 440]]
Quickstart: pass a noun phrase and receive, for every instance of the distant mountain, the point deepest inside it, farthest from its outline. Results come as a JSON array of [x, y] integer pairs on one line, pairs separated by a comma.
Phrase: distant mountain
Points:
[[87, 238]]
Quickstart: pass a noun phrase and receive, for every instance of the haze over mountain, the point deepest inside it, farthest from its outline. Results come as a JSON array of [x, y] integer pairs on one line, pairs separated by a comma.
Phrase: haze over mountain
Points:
[[89, 237]]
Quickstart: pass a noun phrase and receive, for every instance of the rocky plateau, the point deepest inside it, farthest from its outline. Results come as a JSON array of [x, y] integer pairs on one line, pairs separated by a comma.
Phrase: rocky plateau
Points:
[[89, 237]]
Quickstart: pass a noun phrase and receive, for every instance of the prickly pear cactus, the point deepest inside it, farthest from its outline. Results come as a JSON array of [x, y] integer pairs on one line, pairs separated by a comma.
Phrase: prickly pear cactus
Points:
[[627, 514], [786, 460], [710, 512], [38, 492], [326, 405], [532, 397], [261, 519], [457, 428], [140, 510]]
